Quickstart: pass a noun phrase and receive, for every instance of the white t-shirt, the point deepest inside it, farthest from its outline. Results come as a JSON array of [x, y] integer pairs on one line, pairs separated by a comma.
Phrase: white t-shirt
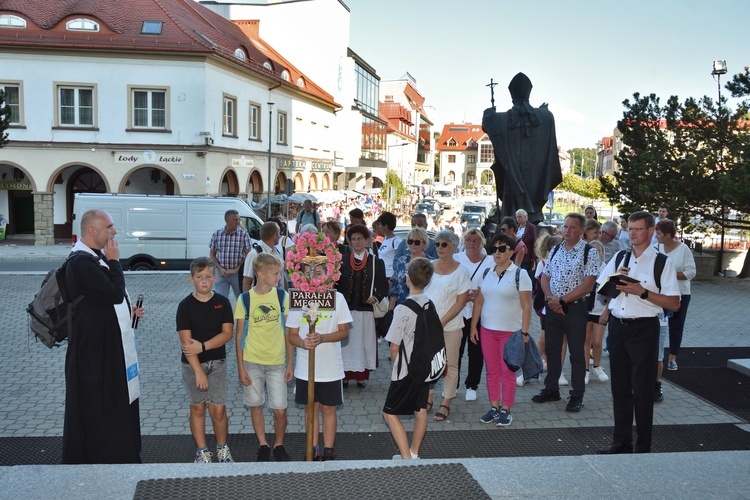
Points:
[[502, 304], [443, 290], [684, 262], [477, 270], [387, 252], [329, 366], [402, 328]]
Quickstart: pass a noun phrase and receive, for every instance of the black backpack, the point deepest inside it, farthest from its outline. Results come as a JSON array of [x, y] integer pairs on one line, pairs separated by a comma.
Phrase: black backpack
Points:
[[51, 311], [659, 263], [428, 357]]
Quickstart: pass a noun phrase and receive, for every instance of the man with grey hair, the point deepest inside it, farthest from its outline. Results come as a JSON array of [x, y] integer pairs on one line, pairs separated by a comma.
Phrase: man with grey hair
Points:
[[609, 240]]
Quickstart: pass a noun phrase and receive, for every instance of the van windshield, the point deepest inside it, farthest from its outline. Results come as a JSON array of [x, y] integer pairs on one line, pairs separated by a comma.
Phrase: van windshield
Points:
[[446, 194]]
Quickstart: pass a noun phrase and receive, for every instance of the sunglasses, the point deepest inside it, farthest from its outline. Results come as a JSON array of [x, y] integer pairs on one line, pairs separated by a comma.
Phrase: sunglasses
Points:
[[441, 244], [413, 242], [501, 249]]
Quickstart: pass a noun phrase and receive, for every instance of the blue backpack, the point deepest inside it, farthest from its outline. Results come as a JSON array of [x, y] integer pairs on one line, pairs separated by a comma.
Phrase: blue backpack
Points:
[[245, 296]]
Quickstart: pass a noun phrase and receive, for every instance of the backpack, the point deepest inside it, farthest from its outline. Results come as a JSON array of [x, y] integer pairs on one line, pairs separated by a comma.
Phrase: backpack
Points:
[[51, 312], [538, 300], [659, 263], [245, 296], [428, 356]]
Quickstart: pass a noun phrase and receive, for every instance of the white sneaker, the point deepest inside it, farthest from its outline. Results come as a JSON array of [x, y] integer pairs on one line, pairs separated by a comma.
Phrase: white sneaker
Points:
[[586, 378], [562, 381], [471, 395], [203, 457], [520, 381], [599, 372], [224, 455]]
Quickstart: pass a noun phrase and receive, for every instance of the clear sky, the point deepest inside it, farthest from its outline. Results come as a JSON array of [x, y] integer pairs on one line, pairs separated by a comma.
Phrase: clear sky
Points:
[[584, 57]]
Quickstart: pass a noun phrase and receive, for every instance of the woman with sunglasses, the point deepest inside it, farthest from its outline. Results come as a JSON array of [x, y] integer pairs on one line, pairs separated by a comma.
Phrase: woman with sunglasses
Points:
[[449, 291], [416, 245], [509, 309], [509, 227]]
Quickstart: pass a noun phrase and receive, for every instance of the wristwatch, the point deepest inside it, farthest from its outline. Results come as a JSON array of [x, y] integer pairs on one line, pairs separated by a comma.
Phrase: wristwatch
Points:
[[644, 295], [203, 344], [525, 334]]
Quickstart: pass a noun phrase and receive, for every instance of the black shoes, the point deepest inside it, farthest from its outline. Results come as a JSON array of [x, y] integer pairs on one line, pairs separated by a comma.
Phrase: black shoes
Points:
[[280, 454], [546, 395], [575, 404], [616, 449], [264, 454], [658, 395]]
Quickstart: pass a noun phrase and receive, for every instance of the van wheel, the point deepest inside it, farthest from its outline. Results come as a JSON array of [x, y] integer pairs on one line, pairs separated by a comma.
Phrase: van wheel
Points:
[[141, 265]]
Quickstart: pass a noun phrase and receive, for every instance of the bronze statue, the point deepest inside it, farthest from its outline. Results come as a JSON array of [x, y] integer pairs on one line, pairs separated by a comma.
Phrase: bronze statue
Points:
[[527, 166]]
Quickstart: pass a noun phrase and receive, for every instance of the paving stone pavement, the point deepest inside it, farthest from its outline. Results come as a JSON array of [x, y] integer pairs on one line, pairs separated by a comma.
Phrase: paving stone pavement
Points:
[[33, 403]]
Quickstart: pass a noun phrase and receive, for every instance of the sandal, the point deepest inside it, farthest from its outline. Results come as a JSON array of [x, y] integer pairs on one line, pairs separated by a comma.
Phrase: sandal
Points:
[[429, 406], [440, 416]]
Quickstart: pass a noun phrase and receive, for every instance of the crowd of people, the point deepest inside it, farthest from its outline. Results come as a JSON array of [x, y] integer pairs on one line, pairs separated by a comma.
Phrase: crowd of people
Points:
[[483, 293]]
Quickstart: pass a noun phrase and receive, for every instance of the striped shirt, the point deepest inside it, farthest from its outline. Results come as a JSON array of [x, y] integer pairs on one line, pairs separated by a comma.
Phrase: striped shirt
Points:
[[230, 248]]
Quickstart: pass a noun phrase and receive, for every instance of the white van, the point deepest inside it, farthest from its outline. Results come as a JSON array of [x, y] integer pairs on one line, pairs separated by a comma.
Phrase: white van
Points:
[[163, 232], [445, 196]]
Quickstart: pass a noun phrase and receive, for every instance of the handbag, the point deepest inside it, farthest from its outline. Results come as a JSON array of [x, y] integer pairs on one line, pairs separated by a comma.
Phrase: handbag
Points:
[[379, 309]]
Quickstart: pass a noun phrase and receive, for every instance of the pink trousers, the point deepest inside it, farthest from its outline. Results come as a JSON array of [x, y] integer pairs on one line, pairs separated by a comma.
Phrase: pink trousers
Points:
[[501, 382]]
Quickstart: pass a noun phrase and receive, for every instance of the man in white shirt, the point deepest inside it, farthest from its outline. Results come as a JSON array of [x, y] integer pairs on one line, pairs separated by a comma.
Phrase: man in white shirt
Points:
[[270, 234], [634, 334]]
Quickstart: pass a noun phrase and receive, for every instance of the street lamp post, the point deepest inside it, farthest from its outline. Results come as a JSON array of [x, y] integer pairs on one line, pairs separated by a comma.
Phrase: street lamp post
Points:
[[720, 68], [270, 182]]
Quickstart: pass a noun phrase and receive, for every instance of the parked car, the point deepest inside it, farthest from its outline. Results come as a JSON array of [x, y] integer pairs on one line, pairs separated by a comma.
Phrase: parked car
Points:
[[474, 219], [477, 207], [554, 219], [438, 206], [426, 208], [403, 231]]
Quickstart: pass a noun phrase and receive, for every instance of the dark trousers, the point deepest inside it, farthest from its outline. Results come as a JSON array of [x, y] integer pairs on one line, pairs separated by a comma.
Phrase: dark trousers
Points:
[[677, 325], [632, 360], [573, 326], [476, 360]]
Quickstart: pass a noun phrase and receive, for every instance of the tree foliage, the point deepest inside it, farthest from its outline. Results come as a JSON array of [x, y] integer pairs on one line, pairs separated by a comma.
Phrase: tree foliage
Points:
[[393, 180], [4, 120], [693, 155], [588, 188], [583, 162]]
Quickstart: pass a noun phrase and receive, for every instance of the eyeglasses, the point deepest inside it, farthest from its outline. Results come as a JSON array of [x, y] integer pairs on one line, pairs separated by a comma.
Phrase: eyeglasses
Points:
[[441, 244], [501, 249], [638, 229], [413, 242]]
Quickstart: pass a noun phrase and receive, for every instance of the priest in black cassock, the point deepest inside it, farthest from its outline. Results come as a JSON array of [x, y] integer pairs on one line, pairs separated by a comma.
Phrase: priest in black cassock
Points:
[[102, 422]]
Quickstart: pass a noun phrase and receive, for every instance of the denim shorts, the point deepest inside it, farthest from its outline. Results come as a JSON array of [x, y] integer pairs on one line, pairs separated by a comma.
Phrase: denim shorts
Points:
[[265, 378], [216, 371]]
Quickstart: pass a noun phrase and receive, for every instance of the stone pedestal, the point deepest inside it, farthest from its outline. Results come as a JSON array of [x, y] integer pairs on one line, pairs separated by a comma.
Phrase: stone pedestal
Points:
[[704, 265], [44, 227]]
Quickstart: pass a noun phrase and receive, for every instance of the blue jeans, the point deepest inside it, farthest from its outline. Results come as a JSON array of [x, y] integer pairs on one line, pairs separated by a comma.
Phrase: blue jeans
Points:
[[222, 284]]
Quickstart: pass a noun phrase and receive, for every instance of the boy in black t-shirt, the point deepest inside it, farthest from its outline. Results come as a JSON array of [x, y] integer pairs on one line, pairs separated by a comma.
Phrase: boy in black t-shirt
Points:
[[204, 322]]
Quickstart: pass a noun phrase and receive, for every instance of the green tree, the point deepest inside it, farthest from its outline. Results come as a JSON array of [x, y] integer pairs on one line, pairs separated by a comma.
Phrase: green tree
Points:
[[4, 119], [694, 155], [588, 188], [583, 160], [393, 180]]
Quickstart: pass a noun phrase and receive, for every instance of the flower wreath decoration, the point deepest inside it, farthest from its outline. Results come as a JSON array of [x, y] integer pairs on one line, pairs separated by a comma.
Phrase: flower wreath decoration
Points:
[[311, 245]]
